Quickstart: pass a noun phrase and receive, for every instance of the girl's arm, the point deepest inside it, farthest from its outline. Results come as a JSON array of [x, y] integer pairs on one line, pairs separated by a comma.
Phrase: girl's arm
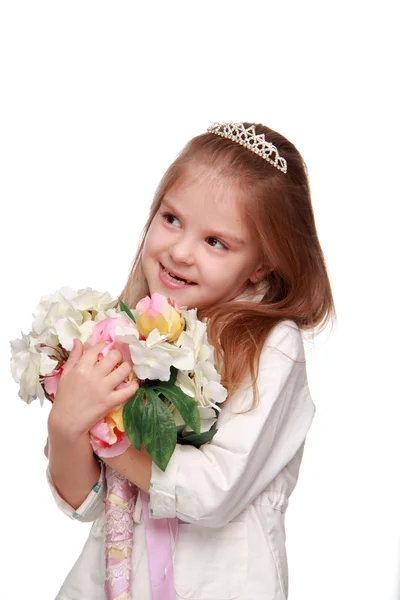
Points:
[[134, 465], [212, 485], [73, 467], [85, 394]]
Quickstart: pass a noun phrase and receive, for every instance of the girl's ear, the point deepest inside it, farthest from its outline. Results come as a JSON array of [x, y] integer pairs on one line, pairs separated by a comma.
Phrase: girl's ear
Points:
[[259, 274]]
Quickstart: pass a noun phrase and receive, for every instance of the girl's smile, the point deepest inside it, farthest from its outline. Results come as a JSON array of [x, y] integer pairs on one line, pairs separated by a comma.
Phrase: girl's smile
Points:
[[173, 280], [199, 249]]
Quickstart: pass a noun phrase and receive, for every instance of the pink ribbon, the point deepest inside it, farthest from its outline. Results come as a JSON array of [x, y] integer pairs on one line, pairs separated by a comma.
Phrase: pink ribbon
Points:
[[160, 537], [119, 535]]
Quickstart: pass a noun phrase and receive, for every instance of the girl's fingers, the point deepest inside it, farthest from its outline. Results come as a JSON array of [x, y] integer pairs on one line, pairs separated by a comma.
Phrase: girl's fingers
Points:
[[118, 375], [90, 356], [124, 394], [109, 362], [74, 356]]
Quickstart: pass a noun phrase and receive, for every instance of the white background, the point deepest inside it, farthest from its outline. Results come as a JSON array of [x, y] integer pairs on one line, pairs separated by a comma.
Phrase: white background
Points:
[[97, 98]]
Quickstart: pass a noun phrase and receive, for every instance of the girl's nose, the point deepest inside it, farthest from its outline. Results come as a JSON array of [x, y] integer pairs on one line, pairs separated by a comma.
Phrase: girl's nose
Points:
[[182, 252]]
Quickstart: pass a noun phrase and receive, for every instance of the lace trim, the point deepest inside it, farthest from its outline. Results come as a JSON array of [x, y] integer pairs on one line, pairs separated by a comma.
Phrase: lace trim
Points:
[[120, 569], [123, 507], [118, 545], [119, 535], [124, 596], [117, 526], [117, 482]]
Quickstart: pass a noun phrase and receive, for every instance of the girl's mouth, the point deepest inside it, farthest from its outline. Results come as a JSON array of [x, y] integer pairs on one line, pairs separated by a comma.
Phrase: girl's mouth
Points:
[[173, 279]]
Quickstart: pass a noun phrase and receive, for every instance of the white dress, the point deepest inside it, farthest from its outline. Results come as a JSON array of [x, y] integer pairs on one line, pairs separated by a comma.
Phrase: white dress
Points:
[[230, 496]]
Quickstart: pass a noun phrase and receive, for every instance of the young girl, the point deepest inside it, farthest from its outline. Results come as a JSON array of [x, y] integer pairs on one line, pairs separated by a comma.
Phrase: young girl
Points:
[[231, 232]]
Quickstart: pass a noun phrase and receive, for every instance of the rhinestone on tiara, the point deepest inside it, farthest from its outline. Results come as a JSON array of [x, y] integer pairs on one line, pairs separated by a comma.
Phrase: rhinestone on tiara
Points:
[[257, 143]]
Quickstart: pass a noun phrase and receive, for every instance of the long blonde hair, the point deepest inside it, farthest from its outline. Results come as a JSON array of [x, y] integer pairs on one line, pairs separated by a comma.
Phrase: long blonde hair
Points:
[[279, 211]]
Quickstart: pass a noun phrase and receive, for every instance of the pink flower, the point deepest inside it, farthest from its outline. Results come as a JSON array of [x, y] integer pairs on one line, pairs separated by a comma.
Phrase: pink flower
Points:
[[159, 312], [104, 331], [108, 436], [50, 382]]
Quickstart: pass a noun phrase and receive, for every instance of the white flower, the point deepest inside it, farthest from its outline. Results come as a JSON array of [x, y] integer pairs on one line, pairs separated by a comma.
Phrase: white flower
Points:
[[203, 382], [27, 364], [68, 313], [195, 336], [65, 315], [110, 313], [154, 357], [126, 332], [207, 418], [48, 338], [59, 318], [89, 299], [68, 328], [51, 309]]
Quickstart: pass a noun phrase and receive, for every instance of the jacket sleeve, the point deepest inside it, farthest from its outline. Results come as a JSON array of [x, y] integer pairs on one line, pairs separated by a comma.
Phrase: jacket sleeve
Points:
[[213, 484], [93, 505]]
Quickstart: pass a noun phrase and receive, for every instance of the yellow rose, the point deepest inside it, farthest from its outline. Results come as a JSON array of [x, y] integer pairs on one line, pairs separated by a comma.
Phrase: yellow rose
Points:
[[114, 419], [159, 312]]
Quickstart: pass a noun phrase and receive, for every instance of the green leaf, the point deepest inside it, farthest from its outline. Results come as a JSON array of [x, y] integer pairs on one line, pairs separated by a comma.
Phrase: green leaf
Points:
[[124, 308], [186, 405], [132, 413], [159, 430], [174, 373], [196, 439]]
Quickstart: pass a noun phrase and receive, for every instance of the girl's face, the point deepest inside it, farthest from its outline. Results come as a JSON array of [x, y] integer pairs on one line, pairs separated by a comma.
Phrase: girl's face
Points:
[[199, 250]]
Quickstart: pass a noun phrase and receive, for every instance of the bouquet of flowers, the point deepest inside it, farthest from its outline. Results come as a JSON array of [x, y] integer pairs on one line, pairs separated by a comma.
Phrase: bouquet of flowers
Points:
[[179, 387]]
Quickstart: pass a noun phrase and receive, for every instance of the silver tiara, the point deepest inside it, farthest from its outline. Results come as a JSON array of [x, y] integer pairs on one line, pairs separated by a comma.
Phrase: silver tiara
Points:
[[257, 143]]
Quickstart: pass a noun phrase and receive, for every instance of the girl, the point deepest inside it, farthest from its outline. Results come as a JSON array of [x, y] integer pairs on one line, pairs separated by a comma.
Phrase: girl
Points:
[[231, 231]]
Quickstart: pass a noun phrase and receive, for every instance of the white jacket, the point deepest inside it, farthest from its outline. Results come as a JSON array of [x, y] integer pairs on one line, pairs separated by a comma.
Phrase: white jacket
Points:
[[230, 495]]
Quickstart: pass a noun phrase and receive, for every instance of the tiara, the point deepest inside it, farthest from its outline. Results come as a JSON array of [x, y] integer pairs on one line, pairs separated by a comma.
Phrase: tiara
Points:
[[257, 143]]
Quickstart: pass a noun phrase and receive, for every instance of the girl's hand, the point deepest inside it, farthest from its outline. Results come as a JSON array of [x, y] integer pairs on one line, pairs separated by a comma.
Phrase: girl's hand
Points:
[[86, 391]]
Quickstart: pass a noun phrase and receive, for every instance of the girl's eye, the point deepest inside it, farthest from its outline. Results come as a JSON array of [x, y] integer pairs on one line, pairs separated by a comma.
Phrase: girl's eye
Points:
[[169, 218], [214, 243]]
